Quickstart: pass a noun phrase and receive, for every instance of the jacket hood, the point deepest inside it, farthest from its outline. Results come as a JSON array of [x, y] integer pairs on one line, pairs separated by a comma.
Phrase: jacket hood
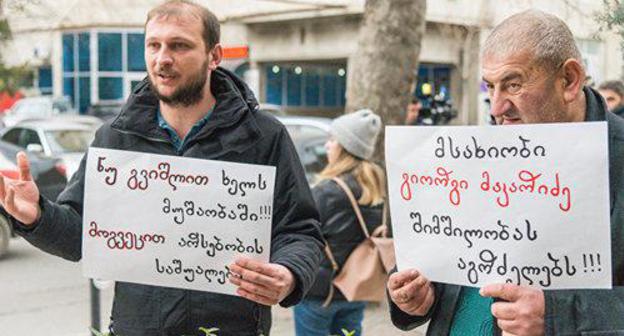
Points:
[[234, 100]]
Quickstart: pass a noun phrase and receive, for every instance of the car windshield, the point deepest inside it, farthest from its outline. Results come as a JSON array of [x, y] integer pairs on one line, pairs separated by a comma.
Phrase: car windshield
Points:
[[310, 145], [62, 106], [69, 141]]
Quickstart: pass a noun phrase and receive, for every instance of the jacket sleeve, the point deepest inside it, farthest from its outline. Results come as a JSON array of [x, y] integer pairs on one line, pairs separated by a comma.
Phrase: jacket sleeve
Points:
[[296, 239], [59, 229], [570, 312]]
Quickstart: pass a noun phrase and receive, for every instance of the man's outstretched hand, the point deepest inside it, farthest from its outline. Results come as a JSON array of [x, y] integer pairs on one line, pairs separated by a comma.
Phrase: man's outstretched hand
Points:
[[20, 198]]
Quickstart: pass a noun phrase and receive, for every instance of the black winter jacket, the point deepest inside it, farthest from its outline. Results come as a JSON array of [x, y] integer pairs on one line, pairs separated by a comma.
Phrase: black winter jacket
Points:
[[340, 228], [236, 131]]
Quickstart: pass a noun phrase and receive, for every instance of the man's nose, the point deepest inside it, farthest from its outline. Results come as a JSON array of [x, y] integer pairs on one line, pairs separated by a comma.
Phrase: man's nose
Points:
[[164, 57], [499, 104]]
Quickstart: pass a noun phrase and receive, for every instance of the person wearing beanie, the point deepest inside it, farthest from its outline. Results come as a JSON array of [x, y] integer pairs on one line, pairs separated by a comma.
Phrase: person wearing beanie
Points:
[[325, 311]]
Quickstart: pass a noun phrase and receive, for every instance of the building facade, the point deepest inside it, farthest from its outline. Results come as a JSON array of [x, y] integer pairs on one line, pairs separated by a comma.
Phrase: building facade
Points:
[[294, 54]]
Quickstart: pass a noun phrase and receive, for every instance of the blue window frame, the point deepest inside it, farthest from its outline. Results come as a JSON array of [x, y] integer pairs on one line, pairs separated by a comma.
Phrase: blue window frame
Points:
[[274, 85], [44, 75], [136, 51], [110, 88], [312, 84], [330, 97], [293, 87], [84, 98], [68, 87], [109, 52], [68, 52], [84, 52]]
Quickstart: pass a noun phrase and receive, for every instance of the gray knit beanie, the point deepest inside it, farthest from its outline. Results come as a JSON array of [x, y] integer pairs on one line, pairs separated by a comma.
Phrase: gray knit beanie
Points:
[[357, 132]]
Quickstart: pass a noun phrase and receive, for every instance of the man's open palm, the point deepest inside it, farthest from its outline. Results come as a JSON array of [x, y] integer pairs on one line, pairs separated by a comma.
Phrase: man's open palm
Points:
[[20, 198]]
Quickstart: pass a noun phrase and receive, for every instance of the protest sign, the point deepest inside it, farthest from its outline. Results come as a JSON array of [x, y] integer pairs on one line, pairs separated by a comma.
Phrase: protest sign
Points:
[[173, 221], [525, 204]]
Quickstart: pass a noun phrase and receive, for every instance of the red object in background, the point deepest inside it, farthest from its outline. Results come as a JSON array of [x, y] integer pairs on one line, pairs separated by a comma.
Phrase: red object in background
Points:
[[6, 101], [235, 52]]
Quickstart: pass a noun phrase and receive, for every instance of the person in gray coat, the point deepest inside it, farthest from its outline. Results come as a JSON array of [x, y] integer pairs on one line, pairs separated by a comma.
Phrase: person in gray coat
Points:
[[189, 107], [534, 74]]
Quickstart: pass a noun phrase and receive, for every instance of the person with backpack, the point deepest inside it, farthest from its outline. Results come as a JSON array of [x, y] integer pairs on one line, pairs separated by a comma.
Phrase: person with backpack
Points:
[[325, 310]]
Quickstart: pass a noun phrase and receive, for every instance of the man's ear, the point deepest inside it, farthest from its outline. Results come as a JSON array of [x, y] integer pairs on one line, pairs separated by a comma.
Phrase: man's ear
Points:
[[215, 56], [573, 79]]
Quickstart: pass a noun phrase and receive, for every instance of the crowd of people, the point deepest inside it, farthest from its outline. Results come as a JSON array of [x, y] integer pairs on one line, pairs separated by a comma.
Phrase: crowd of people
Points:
[[189, 106]]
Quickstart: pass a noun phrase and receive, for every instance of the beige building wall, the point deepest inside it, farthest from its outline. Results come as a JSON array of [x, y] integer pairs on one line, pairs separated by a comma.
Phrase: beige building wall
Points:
[[321, 30]]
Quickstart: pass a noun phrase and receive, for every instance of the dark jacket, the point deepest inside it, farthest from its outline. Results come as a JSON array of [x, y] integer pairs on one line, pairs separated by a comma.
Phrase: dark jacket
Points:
[[568, 312], [235, 132], [340, 228], [619, 111]]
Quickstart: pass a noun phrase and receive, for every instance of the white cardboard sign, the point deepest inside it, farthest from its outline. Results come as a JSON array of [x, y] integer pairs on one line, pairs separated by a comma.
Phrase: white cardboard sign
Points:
[[524, 204], [173, 221]]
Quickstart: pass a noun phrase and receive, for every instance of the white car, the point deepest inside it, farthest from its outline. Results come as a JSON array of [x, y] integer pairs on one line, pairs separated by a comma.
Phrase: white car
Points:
[[309, 135], [37, 108], [53, 138]]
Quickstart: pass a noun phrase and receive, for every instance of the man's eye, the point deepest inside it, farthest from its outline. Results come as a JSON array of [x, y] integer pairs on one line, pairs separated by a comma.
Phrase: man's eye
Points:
[[514, 87]]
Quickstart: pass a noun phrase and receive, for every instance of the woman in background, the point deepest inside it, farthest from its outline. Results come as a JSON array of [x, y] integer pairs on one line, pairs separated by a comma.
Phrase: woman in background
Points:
[[325, 311]]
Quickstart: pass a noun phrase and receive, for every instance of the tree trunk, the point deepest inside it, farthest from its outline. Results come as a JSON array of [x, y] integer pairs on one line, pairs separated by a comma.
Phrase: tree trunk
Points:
[[382, 70]]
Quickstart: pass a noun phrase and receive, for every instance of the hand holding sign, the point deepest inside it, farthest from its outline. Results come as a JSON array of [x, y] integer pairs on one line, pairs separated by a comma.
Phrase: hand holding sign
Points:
[[523, 311], [20, 198], [411, 292], [264, 283]]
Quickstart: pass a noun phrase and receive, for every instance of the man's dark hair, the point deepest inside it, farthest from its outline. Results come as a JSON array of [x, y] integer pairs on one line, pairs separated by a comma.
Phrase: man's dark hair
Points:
[[181, 8], [614, 85]]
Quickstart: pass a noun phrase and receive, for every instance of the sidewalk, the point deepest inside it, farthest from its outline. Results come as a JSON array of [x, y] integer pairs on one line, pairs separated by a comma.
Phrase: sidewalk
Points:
[[376, 322]]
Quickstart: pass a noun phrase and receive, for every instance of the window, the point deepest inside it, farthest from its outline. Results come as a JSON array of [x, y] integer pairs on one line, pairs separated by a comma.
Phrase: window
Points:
[[68, 141], [306, 85], [76, 75], [109, 52], [109, 60], [84, 52], [136, 51], [68, 52], [12, 136], [436, 75], [111, 88], [28, 137], [274, 86], [84, 84], [293, 86], [44, 82]]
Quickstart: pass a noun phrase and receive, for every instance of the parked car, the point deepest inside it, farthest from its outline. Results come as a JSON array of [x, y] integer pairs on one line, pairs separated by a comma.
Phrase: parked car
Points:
[[52, 138], [309, 135], [48, 174], [37, 107], [275, 110], [105, 111]]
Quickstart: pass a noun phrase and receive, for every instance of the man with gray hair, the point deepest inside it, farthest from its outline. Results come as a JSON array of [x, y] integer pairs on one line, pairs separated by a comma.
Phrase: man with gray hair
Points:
[[534, 74]]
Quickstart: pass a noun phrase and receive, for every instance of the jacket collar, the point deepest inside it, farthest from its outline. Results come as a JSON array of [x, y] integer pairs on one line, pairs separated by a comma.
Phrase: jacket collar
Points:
[[235, 102], [596, 110]]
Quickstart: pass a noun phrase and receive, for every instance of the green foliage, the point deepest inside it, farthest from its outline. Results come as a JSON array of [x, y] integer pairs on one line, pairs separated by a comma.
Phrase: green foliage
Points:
[[11, 78], [612, 17]]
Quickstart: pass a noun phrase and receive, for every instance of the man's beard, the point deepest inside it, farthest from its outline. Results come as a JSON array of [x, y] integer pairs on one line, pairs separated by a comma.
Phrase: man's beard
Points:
[[187, 94]]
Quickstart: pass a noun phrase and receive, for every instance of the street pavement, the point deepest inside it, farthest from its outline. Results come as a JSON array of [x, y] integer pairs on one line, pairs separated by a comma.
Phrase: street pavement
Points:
[[43, 295]]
